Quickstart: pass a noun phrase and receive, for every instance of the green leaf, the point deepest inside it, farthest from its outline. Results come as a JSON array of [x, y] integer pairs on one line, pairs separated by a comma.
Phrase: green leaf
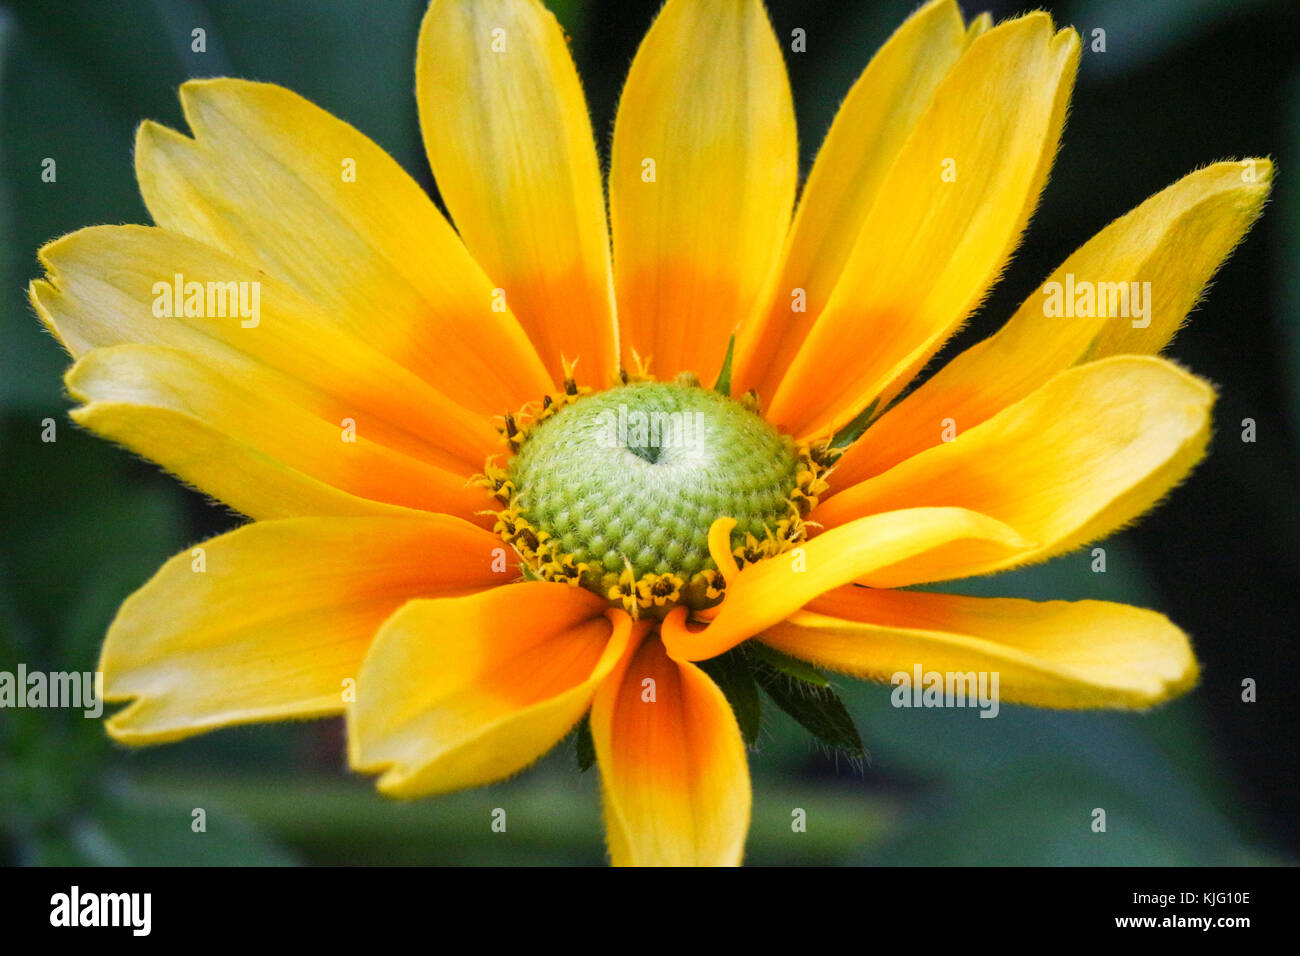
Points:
[[851, 432], [787, 665], [584, 748], [723, 385], [731, 672], [818, 710]]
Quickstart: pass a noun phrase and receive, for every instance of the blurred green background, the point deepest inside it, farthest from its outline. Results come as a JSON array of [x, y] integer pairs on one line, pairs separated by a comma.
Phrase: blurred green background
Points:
[[1206, 780]]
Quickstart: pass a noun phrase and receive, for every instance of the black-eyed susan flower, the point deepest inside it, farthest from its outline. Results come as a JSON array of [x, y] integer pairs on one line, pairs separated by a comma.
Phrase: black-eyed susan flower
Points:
[[556, 468]]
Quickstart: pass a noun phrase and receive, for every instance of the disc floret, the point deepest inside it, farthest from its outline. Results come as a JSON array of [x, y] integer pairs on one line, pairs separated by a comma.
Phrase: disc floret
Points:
[[615, 491]]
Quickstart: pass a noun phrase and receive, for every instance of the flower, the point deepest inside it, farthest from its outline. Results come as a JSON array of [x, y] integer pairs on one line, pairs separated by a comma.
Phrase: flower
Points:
[[466, 539]]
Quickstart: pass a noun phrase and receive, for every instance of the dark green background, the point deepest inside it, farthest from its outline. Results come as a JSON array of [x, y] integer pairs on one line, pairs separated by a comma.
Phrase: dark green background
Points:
[[1205, 780]]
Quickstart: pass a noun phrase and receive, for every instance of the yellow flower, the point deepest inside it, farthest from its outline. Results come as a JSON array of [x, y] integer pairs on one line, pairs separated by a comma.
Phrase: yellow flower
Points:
[[305, 338]]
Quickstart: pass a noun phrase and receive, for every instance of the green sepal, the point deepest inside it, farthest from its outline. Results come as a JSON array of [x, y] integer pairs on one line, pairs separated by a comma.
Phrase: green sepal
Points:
[[818, 710], [584, 747], [787, 665], [723, 385], [851, 432], [731, 672]]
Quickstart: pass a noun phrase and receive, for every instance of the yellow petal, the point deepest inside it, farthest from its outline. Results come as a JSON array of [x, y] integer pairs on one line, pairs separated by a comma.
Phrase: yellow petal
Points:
[[869, 130], [105, 283], [884, 550], [255, 442], [507, 132], [980, 25], [1080, 457], [672, 762], [1049, 654], [282, 185], [271, 621], [949, 213], [459, 692], [1174, 241], [218, 465], [702, 181]]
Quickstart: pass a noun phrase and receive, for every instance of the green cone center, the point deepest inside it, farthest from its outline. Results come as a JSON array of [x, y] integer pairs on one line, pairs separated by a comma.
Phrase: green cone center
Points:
[[634, 477]]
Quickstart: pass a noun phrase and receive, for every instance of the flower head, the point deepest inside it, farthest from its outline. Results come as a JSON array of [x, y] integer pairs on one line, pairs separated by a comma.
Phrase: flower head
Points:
[[557, 466]]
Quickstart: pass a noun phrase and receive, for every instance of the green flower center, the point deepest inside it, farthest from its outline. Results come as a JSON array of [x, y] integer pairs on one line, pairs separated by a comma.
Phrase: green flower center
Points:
[[631, 479]]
